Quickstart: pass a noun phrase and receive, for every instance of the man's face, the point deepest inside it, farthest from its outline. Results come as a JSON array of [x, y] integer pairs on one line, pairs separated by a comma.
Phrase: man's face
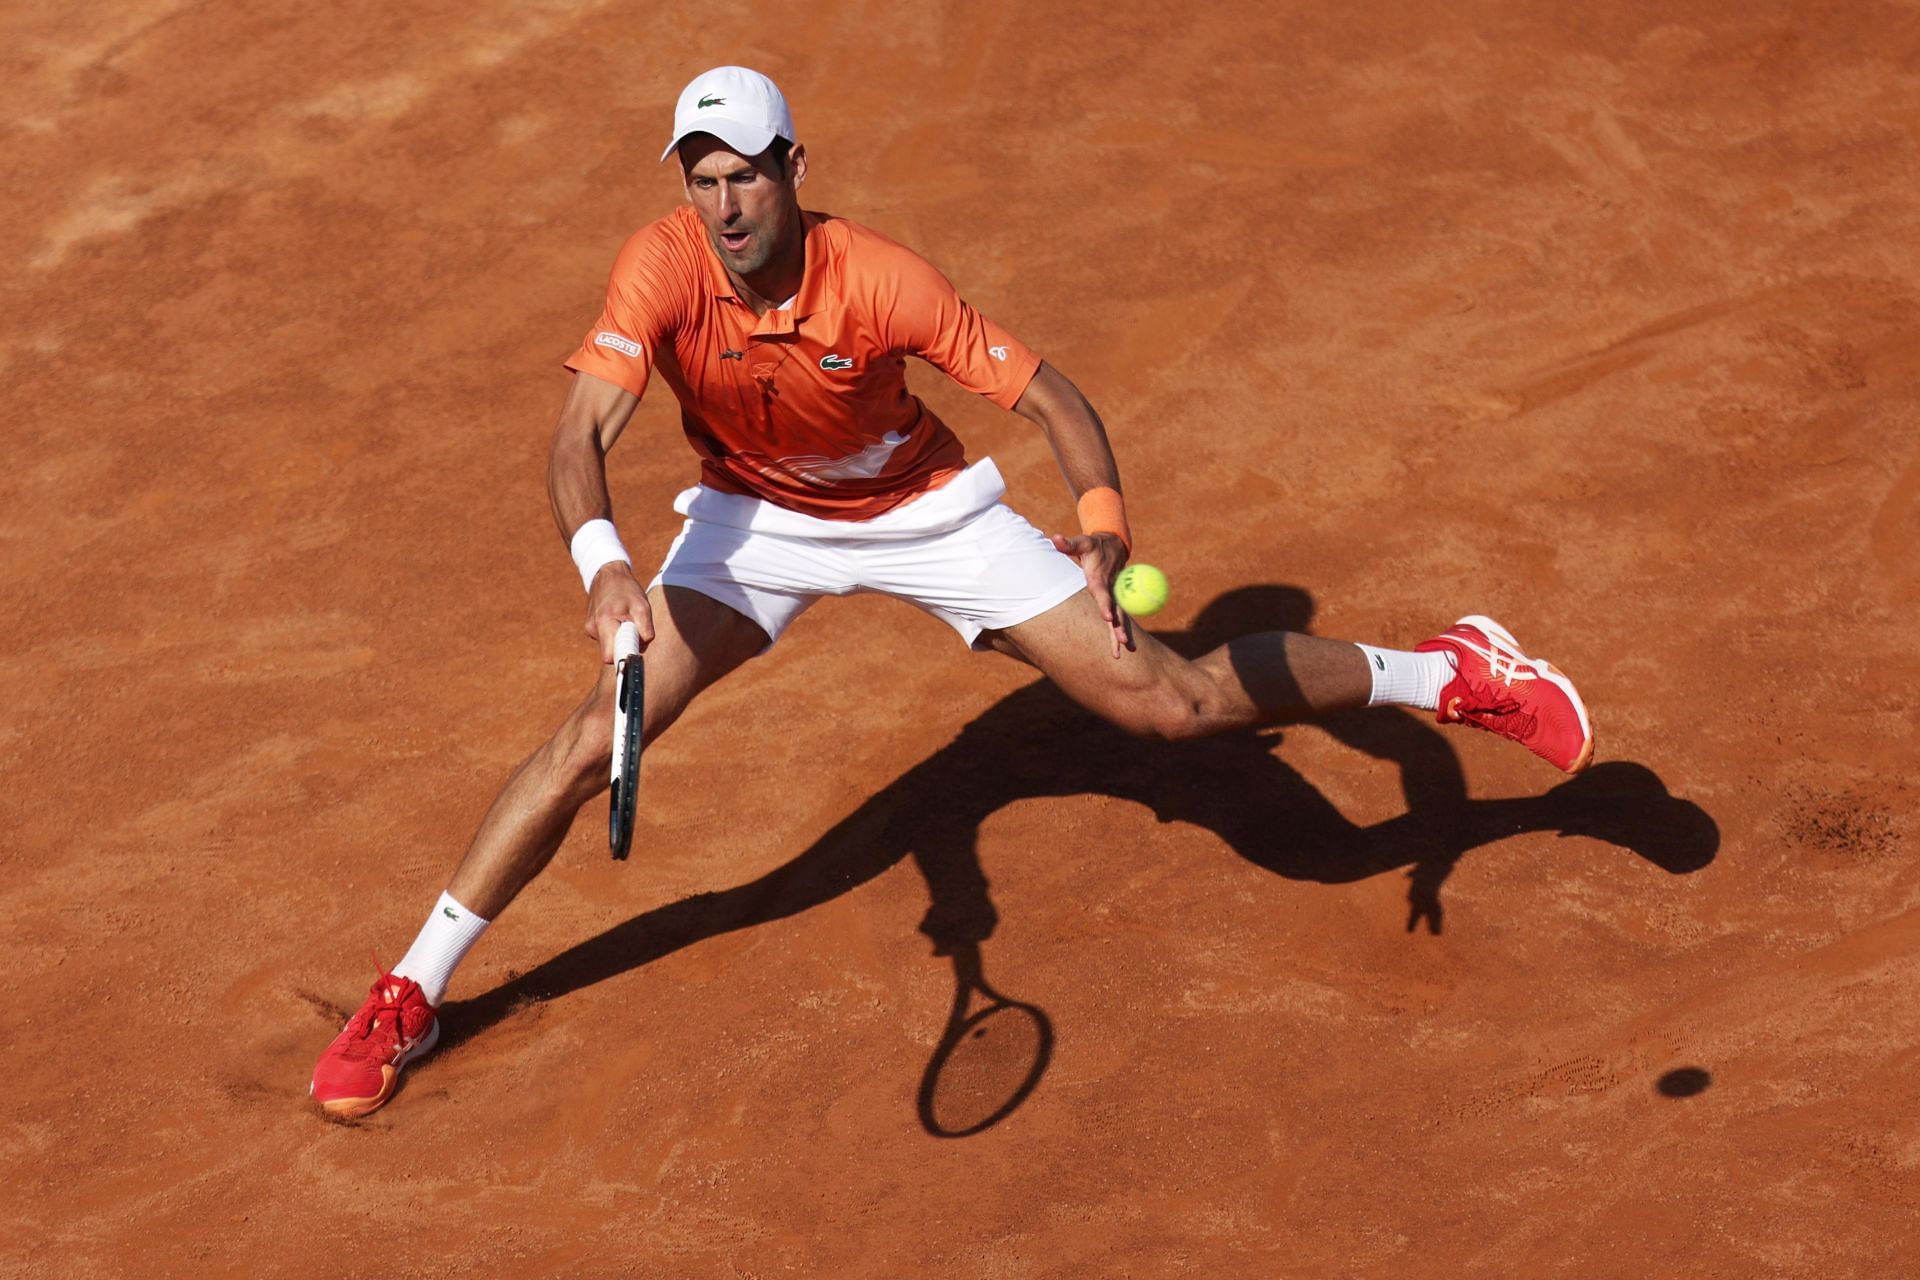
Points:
[[749, 205]]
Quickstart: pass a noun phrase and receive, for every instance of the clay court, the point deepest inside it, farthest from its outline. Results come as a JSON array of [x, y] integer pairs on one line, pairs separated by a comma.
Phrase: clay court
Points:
[[1602, 318]]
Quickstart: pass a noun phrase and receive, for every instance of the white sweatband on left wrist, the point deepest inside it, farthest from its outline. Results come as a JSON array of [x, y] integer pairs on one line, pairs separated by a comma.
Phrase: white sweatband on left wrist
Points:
[[595, 545]]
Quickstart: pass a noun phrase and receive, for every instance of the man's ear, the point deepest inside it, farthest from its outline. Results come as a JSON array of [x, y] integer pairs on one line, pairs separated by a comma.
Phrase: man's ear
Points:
[[797, 163]]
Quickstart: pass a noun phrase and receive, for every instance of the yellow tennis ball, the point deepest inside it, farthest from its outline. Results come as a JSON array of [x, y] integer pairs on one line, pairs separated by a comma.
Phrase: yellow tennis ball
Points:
[[1141, 590]]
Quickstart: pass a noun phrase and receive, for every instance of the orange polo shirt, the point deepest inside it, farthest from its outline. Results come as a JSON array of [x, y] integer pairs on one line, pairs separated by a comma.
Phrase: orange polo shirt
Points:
[[806, 407]]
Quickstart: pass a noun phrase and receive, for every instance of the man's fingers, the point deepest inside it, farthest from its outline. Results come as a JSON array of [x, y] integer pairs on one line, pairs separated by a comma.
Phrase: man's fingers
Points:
[[605, 627], [1122, 638], [1100, 574], [1109, 612], [642, 615], [609, 636]]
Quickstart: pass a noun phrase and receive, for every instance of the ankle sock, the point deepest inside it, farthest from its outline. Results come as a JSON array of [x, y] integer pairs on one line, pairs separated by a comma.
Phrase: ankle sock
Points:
[[1402, 679], [450, 931]]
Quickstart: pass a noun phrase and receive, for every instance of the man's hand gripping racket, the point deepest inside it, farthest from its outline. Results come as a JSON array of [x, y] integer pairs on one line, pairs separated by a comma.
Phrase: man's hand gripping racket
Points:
[[629, 702]]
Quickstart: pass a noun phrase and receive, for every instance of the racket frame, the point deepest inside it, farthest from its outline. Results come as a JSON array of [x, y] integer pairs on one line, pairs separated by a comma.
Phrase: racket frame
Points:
[[629, 702]]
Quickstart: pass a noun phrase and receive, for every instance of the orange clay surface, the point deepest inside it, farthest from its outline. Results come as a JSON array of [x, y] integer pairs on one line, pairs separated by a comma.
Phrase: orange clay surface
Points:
[[1598, 318]]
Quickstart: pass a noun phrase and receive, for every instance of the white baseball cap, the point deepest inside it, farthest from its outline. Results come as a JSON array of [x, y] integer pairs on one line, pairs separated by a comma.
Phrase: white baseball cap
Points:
[[739, 106]]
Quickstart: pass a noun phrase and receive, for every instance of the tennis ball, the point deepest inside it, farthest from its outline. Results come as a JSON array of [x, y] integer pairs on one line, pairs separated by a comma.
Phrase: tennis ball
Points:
[[1141, 590]]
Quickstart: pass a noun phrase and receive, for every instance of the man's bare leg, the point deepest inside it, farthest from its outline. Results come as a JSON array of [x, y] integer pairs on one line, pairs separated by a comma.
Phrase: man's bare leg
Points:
[[696, 641], [1151, 690], [1472, 674]]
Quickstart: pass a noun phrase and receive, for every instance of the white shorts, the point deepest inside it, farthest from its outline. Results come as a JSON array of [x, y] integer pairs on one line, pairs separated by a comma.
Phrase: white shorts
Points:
[[957, 552]]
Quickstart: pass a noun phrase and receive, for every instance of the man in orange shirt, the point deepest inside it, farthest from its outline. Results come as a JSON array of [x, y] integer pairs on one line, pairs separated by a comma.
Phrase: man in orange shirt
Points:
[[783, 334]]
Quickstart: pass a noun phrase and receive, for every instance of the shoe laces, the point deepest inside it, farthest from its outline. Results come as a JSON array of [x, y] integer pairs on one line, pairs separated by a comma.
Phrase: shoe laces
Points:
[[1503, 664], [384, 1011], [1492, 700], [1496, 713]]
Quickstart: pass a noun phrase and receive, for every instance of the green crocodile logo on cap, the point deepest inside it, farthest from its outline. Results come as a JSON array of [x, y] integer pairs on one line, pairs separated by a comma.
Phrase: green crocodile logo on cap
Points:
[[712, 102]]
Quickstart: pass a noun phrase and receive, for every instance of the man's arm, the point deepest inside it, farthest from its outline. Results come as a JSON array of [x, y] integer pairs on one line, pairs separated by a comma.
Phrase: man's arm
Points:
[[595, 413], [1080, 446]]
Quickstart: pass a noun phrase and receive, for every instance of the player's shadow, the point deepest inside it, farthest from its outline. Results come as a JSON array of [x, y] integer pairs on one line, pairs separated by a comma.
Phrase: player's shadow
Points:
[[1035, 743]]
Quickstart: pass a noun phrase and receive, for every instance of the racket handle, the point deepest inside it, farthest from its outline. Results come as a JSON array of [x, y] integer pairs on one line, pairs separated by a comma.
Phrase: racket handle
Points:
[[626, 648]]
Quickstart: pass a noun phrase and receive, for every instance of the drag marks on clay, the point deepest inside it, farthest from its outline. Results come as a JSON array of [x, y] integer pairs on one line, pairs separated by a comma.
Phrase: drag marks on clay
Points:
[[302, 646], [31, 347], [331, 1012], [1829, 363], [506, 33], [1284, 994], [283, 147], [74, 64], [1620, 355], [251, 1091], [270, 1060], [602, 1084], [1829, 995], [1895, 532], [1580, 1076], [521, 128], [1574, 379], [1596, 146], [203, 814], [1183, 334], [1586, 1074], [1836, 996], [380, 100], [111, 206]]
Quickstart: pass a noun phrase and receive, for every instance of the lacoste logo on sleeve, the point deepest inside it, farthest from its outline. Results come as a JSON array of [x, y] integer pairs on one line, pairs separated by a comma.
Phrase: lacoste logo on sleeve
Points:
[[998, 353], [836, 362], [626, 346], [449, 913], [711, 102]]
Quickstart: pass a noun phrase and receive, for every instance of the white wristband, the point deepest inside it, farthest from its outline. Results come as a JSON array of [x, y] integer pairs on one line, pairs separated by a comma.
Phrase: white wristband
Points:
[[595, 545]]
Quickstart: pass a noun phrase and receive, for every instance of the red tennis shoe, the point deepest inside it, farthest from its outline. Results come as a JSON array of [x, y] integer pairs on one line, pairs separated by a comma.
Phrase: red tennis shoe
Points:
[[1500, 689], [361, 1068]]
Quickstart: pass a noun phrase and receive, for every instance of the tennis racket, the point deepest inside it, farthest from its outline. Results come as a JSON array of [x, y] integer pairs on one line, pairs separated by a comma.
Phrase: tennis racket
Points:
[[629, 701]]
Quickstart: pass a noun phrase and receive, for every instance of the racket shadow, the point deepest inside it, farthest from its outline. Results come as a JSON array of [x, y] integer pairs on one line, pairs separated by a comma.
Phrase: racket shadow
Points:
[[989, 1058]]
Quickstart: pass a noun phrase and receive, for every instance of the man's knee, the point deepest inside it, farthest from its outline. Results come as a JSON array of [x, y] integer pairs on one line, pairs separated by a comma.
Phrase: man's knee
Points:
[[1162, 714], [583, 749]]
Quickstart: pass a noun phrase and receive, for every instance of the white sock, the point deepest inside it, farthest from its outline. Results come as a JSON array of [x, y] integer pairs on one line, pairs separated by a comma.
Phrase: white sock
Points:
[[1403, 679], [443, 942]]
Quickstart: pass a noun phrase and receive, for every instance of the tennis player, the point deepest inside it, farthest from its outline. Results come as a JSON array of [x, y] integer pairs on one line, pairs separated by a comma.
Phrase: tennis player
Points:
[[784, 335]]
